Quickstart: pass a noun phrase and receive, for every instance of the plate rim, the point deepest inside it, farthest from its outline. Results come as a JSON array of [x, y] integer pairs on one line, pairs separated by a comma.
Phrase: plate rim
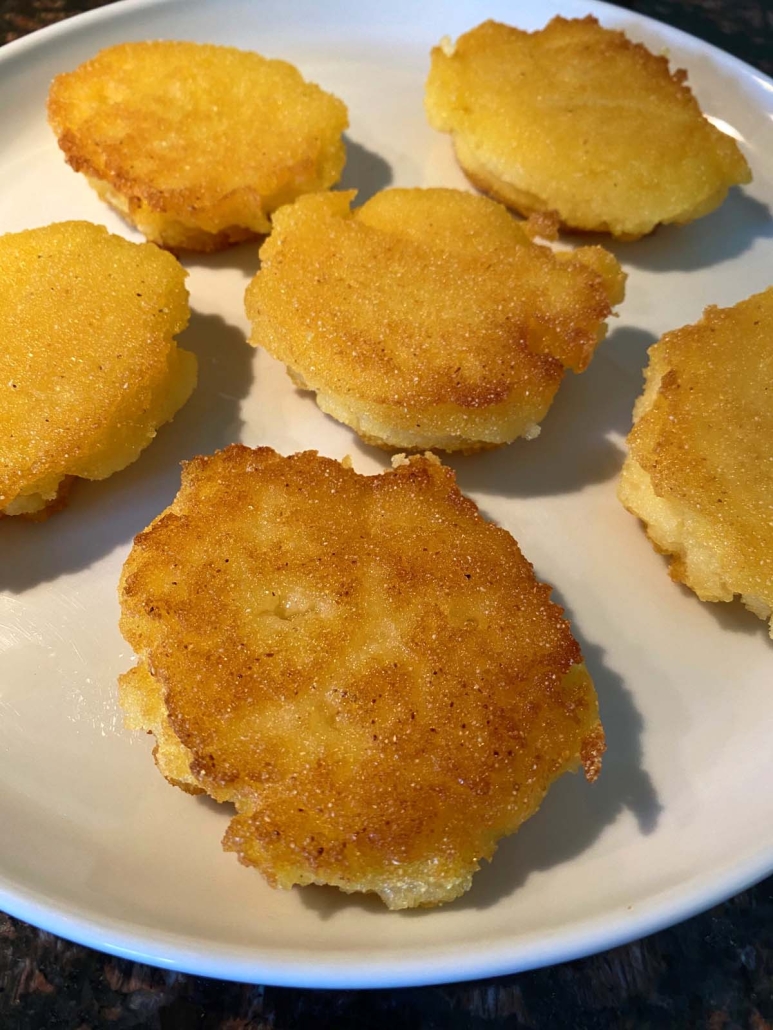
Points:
[[293, 967], [587, 937]]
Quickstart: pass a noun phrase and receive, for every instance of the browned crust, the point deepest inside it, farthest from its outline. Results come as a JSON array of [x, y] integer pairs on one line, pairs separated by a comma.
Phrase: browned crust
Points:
[[402, 356], [169, 233], [537, 212], [366, 668], [698, 472], [469, 448], [112, 115], [575, 133], [54, 505]]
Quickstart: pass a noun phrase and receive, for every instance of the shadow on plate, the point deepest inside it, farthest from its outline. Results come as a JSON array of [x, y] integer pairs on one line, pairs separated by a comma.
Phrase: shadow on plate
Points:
[[365, 171], [242, 257], [223, 809], [571, 818], [732, 616], [575, 812], [724, 234], [103, 515], [573, 449]]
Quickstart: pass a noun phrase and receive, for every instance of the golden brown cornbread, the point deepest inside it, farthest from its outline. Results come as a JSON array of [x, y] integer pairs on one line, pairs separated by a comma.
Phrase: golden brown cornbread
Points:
[[196, 144], [363, 665], [89, 367], [427, 318], [699, 472], [578, 119]]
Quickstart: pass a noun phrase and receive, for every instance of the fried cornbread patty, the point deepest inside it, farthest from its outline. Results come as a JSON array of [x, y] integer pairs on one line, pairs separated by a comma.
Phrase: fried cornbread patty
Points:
[[89, 367], [578, 119], [427, 318], [363, 665], [195, 144], [699, 472]]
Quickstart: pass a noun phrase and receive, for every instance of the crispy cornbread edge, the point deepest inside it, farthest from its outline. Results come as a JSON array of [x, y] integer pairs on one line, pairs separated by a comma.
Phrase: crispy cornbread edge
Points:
[[393, 426], [672, 529], [483, 178], [486, 179], [416, 887], [166, 230], [39, 500], [165, 217]]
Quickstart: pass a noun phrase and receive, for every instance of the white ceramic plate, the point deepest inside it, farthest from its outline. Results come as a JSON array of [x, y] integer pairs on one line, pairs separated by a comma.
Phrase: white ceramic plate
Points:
[[97, 847]]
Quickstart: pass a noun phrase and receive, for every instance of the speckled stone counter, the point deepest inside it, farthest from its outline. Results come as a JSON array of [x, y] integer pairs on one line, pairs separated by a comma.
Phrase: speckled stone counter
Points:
[[714, 971]]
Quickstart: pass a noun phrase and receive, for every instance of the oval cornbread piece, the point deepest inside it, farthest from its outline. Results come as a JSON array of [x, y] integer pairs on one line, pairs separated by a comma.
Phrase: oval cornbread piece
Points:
[[196, 144], [427, 318], [89, 367], [366, 668], [699, 471], [577, 119]]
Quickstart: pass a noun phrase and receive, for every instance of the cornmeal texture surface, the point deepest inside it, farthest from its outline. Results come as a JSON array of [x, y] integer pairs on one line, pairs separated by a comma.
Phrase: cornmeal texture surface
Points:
[[699, 472], [578, 119], [366, 668], [196, 144], [427, 318], [89, 367]]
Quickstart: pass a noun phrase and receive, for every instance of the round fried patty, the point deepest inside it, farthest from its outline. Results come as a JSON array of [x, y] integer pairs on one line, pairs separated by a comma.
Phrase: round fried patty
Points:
[[363, 665], [89, 367]]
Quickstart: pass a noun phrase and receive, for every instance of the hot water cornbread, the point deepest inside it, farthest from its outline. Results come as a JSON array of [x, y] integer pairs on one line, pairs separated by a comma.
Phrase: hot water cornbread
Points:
[[699, 472], [366, 668], [427, 318], [578, 119], [196, 144], [89, 367]]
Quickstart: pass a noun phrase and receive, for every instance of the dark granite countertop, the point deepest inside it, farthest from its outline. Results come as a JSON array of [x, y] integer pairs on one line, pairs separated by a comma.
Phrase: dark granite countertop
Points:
[[714, 971]]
